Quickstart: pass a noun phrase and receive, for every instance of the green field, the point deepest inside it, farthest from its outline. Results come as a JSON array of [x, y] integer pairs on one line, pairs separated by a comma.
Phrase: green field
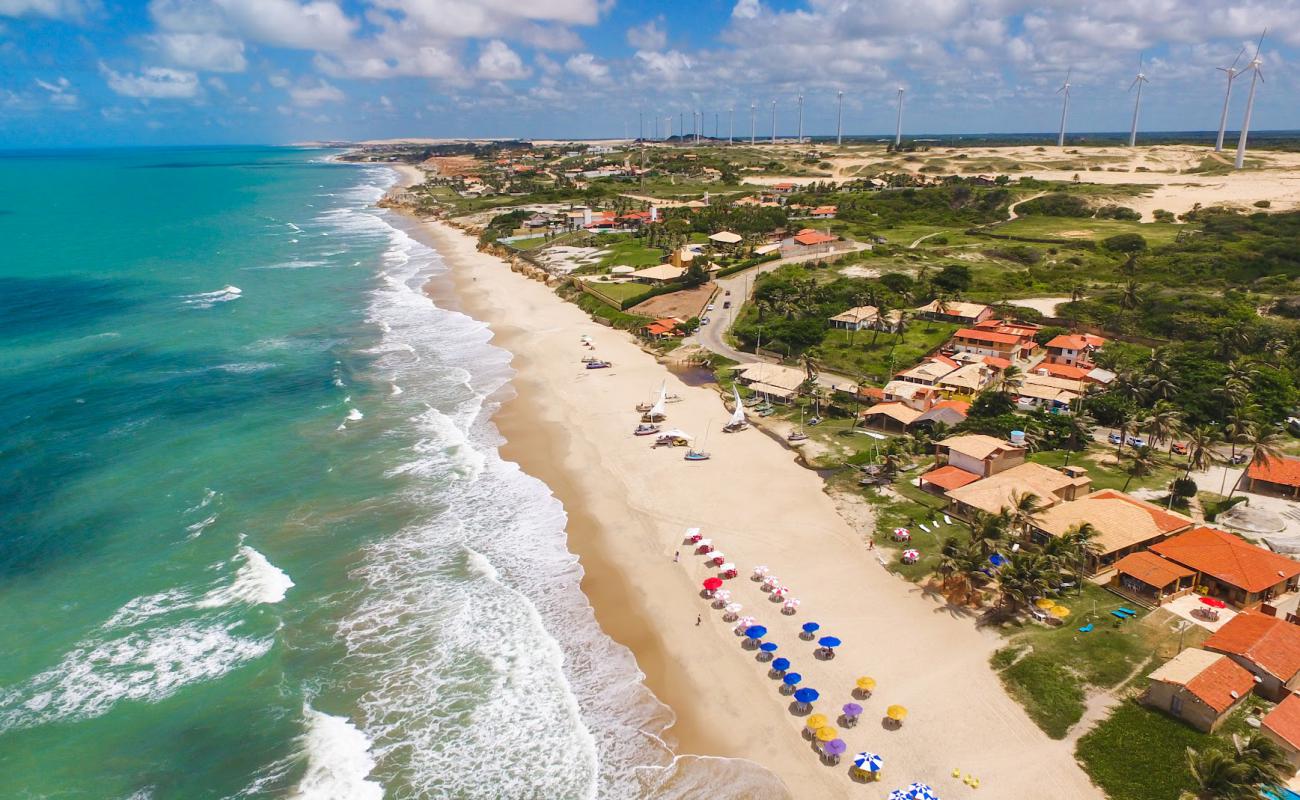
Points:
[[1075, 229], [629, 252], [618, 292], [854, 354]]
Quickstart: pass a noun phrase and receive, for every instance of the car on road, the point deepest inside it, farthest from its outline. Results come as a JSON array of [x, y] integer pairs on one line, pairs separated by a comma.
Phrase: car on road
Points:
[[1136, 441], [726, 304], [704, 320], [1113, 438], [1180, 448], [1240, 458], [728, 293], [710, 307]]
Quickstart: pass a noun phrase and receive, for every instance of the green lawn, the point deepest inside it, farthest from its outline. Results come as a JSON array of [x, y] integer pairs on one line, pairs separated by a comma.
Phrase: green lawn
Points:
[[629, 252], [1042, 227], [531, 243], [1106, 475], [856, 355], [1140, 754], [619, 292]]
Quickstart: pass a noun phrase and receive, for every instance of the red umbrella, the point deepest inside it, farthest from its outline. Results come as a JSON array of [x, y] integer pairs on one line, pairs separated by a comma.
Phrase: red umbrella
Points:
[[712, 584], [1214, 602]]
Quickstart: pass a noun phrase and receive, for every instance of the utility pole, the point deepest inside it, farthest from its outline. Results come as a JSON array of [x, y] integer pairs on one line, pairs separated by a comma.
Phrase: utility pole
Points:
[[640, 125], [800, 137]]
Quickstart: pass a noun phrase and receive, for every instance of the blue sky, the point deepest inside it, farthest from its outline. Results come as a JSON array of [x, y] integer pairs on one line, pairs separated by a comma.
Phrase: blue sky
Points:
[[88, 72]]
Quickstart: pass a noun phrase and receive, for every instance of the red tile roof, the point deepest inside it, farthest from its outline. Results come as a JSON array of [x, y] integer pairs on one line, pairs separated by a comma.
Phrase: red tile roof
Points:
[[1227, 558], [1284, 720], [1076, 341], [1151, 569], [1283, 470], [986, 336], [1216, 684], [958, 405], [1269, 643], [874, 392], [825, 210], [813, 237], [1063, 371], [997, 363], [949, 477]]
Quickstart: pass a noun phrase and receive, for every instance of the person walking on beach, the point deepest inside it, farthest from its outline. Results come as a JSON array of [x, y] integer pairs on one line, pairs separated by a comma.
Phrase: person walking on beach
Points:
[[677, 556], [698, 619], [872, 544]]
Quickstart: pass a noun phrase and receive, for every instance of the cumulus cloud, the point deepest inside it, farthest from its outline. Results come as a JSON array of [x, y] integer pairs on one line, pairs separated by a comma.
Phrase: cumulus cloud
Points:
[[496, 61], [650, 36], [312, 25], [201, 51], [315, 94], [152, 82], [61, 92], [51, 9], [585, 65]]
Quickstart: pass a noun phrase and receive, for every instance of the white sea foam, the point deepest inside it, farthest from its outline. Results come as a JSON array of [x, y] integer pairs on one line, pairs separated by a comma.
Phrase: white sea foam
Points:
[[355, 415], [294, 264], [394, 389], [208, 496], [209, 299], [338, 761], [257, 581]]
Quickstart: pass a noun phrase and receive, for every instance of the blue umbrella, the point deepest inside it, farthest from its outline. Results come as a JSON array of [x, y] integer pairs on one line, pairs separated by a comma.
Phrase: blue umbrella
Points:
[[868, 762], [806, 695], [997, 560], [829, 641], [919, 791], [899, 794], [791, 678], [768, 647], [781, 664], [810, 627], [756, 631]]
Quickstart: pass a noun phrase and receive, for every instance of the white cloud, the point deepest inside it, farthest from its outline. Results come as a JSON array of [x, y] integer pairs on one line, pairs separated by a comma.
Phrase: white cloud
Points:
[[316, 94], [61, 92], [649, 36], [585, 65], [52, 9], [312, 25], [496, 61], [152, 82], [201, 51]]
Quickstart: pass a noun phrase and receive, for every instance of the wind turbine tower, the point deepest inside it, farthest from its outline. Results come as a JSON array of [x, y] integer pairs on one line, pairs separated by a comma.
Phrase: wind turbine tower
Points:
[[800, 138], [1064, 91], [898, 126], [1231, 72], [773, 122], [839, 119], [731, 124], [1137, 103], [753, 122], [1254, 67]]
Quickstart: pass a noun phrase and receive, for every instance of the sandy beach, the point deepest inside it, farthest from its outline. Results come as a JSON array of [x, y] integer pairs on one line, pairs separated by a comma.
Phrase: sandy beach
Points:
[[629, 506]]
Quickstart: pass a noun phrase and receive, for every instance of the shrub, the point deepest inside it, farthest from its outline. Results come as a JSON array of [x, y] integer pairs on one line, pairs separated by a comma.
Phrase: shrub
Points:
[[953, 278], [1125, 243], [1162, 215], [1184, 487], [1021, 254], [1056, 204], [1263, 204], [1118, 212]]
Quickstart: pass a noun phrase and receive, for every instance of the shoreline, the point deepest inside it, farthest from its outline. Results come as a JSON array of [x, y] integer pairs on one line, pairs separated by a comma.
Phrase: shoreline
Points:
[[628, 507]]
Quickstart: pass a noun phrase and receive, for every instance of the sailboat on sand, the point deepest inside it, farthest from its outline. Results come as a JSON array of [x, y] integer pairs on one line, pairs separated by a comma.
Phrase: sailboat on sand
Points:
[[699, 455], [738, 421], [656, 413]]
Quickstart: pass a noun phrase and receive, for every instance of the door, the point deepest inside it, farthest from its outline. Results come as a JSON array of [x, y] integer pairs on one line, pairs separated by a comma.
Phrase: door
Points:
[[1176, 705]]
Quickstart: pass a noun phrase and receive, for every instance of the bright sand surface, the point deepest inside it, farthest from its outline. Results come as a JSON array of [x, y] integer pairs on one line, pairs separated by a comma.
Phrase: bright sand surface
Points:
[[629, 506]]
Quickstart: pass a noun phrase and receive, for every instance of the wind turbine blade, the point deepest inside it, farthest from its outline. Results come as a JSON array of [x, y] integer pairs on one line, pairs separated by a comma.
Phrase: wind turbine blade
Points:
[[1134, 83], [1260, 73], [1238, 58], [1260, 43]]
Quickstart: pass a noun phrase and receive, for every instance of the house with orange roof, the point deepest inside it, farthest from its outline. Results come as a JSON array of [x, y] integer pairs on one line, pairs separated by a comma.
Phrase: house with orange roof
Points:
[[1074, 349], [979, 454], [784, 188], [955, 311], [809, 237], [890, 416], [1199, 687], [666, 328], [1124, 524], [1149, 579], [988, 343], [1268, 647], [1277, 475], [823, 212], [1282, 725], [1230, 567]]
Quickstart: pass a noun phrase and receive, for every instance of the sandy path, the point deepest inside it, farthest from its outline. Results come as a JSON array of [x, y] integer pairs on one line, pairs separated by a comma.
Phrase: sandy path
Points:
[[760, 508]]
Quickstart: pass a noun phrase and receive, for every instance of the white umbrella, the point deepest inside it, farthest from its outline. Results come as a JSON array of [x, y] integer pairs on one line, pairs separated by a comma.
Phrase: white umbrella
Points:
[[792, 603], [772, 581], [760, 572], [723, 594], [734, 608], [704, 543], [780, 591], [727, 566], [717, 554]]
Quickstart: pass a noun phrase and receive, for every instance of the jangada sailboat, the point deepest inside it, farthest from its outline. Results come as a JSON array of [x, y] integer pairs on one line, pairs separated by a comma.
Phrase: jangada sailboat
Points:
[[738, 421], [657, 412], [699, 455], [798, 434]]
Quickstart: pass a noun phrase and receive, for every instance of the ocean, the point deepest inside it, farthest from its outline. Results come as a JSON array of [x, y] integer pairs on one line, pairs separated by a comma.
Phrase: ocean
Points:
[[255, 536]]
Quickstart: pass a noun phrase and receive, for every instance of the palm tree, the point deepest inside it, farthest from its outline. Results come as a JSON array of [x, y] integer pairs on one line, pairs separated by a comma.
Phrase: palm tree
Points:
[[1264, 444], [1024, 507], [1080, 427], [988, 531], [1263, 757], [1200, 448], [1084, 547], [949, 559], [1022, 578], [1164, 424], [1131, 297], [1219, 776], [1142, 461], [1010, 379], [1078, 292], [1240, 422]]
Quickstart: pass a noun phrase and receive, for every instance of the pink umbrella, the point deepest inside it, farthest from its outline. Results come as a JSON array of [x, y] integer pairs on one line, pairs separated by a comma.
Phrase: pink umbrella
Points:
[[760, 572], [723, 594], [791, 604], [911, 556]]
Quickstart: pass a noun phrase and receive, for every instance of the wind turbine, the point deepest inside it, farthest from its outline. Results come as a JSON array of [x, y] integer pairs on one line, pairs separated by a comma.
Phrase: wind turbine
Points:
[[753, 123], [731, 124], [1064, 91], [773, 122], [1254, 67], [1137, 102], [800, 139], [1231, 72], [898, 128], [839, 119]]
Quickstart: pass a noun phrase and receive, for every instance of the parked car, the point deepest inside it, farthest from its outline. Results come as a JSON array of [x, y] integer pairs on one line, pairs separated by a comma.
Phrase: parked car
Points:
[[1293, 425], [1113, 438], [1136, 441], [726, 304], [710, 308], [1180, 448], [704, 321], [728, 293], [1240, 458]]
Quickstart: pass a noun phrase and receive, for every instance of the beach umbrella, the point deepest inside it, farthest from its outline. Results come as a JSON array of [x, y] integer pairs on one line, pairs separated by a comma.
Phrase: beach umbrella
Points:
[[835, 747], [791, 678], [866, 683], [806, 695], [760, 572], [899, 794], [1060, 612], [727, 567], [792, 603], [1044, 603], [826, 733], [896, 713], [852, 710], [920, 791], [755, 632], [997, 560], [743, 623], [723, 594], [717, 557], [733, 608], [817, 721], [829, 641], [712, 584], [911, 556], [868, 762], [810, 627], [768, 647], [780, 664], [901, 533]]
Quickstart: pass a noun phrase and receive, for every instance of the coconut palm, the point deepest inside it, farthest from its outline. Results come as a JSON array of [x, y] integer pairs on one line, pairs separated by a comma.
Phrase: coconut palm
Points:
[[1024, 576], [1240, 422], [989, 531], [1084, 547], [1131, 297], [1263, 443], [1141, 461], [1219, 776], [1078, 292], [1200, 448], [1024, 507], [1263, 757], [1011, 379], [1164, 424]]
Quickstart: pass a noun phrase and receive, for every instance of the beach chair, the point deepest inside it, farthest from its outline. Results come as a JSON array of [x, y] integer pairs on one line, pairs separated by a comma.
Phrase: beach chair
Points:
[[1086, 628], [1128, 612], [947, 520], [927, 530], [1119, 616]]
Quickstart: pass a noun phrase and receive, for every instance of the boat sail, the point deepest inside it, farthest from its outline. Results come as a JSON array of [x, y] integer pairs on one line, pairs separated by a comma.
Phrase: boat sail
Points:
[[738, 421], [657, 411]]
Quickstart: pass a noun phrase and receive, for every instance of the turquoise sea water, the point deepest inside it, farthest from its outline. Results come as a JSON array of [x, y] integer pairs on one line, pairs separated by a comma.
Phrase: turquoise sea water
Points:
[[255, 538]]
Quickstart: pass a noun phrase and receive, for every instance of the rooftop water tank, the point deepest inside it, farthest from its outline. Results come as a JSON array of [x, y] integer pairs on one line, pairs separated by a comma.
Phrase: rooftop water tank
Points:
[[1017, 437]]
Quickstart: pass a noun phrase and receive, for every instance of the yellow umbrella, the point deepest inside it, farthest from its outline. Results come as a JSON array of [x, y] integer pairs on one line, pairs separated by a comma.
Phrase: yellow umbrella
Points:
[[1060, 612], [825, 734], [817, 721], [896, 713], [1044, 603], [866, 684]]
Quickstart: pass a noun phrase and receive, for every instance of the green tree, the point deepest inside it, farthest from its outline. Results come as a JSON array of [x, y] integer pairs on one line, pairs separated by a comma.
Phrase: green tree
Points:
[[1220, 776]]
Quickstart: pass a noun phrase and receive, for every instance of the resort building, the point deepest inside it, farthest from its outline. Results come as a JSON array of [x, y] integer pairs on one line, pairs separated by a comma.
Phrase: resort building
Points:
[[809, 240], [1199, 687], [1282, 725], [915, 395], [944, 412], [989, 343], [955, 311], [1043, 391], [666, 328], [1231, 568], [1269, 648], [773, 382], [929, 371], [980, 455], [997, 493], [823, 212], [967, 380], [1278, 475], [658, 275], [1074, 349], [856, 319], [1124, 524], [894, 417], [1149, 579], [726, 238]]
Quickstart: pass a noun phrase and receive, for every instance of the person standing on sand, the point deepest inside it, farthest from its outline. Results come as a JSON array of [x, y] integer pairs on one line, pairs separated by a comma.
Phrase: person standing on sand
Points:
[[698, 619], [872, 544], [677, 556]]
